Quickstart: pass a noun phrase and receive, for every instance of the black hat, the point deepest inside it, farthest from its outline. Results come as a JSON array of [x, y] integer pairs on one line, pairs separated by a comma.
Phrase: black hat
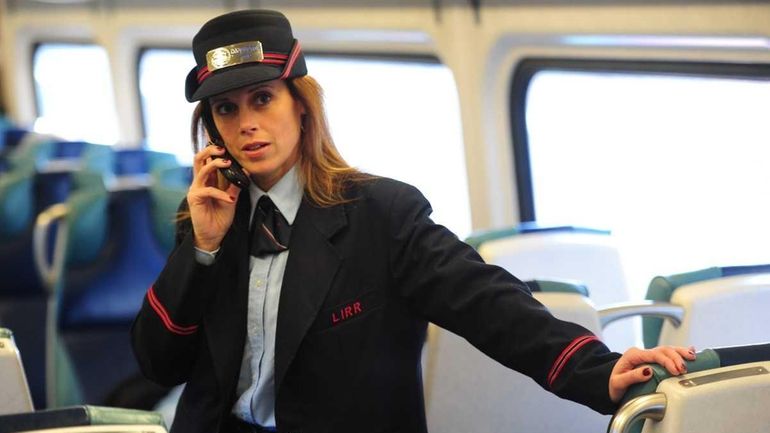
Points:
[[241, 48]]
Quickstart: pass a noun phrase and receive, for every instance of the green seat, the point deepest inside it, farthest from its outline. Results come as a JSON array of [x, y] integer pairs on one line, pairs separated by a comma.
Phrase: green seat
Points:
[[661, 289], [707, 359], [479, 237], [557, 286]]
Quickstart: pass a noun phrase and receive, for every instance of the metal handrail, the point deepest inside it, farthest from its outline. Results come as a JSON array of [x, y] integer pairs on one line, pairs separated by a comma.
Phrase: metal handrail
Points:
[[49, 272], [671, 312], [650, 406]]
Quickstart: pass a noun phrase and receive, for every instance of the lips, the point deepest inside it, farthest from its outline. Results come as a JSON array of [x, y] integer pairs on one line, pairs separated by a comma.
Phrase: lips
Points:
[[253, 147]]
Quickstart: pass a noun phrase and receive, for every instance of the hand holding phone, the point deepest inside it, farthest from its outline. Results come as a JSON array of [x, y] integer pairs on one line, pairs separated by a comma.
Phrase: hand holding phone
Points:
[[233, 173]]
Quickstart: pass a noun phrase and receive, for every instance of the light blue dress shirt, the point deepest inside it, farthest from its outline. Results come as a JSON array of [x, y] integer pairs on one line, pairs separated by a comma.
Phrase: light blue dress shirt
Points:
[[256, 389]]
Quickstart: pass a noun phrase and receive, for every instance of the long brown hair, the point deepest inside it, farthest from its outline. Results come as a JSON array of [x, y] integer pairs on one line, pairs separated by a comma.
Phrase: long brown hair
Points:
[[321, 167]]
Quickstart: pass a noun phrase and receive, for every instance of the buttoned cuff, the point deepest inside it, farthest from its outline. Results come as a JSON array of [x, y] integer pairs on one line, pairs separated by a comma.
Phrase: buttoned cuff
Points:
[[205, 258]]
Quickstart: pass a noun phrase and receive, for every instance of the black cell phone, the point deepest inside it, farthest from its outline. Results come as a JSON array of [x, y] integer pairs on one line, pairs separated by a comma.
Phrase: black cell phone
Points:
[[233, 173]]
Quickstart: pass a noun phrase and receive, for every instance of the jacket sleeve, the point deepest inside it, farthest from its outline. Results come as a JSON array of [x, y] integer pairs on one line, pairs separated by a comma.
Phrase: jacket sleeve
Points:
[[167, 330], [447, 282]]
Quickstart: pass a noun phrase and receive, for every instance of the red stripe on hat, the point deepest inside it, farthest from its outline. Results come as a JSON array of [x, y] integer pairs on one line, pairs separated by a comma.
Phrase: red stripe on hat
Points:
[[276, 56], [203, 73], [292, 58], [274, 61], [566, 354], [164, 317]]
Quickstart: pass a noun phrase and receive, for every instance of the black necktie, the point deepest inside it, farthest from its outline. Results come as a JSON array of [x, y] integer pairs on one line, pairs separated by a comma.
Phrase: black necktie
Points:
[[270, 231]]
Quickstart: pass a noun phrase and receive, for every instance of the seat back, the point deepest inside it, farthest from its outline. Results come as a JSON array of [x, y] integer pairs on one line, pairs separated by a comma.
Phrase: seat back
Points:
[[723, 306], [14, 392], [42, 174], [113, 255], [466, 391], [585, 255]]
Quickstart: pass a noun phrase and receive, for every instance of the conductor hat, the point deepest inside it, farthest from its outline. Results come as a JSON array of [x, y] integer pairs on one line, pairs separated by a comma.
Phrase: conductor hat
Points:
[[242, 48]]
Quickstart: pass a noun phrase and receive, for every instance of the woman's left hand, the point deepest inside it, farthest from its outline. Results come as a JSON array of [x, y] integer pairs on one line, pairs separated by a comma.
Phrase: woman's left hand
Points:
[[631, 368]]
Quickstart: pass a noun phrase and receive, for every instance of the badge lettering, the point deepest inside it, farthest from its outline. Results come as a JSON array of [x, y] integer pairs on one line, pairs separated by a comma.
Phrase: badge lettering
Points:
[[346, 312]]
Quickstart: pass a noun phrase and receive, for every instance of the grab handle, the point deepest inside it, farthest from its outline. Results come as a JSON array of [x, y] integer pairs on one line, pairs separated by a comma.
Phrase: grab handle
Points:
[[650, 406]]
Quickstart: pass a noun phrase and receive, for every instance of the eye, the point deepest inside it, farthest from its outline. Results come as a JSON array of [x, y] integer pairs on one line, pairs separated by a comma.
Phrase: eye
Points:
[[262, 98], [223, 108]]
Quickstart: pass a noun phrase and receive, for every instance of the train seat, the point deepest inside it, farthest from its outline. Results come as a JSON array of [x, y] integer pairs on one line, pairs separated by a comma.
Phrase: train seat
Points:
[[115, 239], [38, 179], [10, 137], [723, 306], [16, 412], [725, 390], [572, 253], [466, 391]]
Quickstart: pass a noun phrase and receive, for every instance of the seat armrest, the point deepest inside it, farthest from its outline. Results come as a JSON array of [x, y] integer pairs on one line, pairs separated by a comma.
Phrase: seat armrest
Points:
[[664, 310], [704, 360]]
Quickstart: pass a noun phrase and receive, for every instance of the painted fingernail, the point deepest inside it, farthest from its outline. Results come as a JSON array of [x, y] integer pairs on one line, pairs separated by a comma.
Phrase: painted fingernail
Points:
[[220, 148], [683, 368], [647, 371], [232, 198]]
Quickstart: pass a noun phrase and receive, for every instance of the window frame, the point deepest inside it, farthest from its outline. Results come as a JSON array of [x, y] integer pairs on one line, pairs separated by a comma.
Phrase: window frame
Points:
[[527, 68], [138, 54]]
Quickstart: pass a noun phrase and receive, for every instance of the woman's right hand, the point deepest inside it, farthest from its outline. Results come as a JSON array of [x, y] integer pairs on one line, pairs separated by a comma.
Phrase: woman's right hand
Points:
[[211, 209]]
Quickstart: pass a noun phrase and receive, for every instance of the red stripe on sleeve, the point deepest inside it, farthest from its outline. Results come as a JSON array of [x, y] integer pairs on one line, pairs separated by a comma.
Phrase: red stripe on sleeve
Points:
[[566, 354], [164, 317]]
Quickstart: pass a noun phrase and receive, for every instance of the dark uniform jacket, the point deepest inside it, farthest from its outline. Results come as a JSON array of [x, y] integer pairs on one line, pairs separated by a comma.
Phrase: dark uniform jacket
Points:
[[362, 281]]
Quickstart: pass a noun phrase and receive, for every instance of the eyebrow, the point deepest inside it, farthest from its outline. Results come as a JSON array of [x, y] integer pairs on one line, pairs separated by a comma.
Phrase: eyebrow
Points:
[[255, 88]]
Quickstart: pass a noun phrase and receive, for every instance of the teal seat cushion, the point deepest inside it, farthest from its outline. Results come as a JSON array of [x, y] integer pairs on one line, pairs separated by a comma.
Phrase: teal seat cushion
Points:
[[87, 224], [165, 202], [705, 360], [477, 238], [557, 286], [661, 289], [16, 203]]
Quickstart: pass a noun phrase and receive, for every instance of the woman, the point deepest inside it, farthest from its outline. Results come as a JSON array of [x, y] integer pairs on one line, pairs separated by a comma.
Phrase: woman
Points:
[[314, 319]]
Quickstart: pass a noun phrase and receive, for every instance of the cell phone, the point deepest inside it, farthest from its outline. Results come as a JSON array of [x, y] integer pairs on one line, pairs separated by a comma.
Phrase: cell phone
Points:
[[233, 173]]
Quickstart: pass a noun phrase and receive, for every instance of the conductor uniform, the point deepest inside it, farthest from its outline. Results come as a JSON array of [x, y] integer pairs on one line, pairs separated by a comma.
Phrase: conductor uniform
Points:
[[362, 281]]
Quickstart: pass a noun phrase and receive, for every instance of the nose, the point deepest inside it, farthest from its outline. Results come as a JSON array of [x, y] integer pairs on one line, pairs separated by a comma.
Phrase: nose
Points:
[[248, 123]]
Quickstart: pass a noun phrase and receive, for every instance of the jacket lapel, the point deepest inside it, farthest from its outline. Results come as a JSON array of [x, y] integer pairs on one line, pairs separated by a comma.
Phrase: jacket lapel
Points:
[[312, 264]]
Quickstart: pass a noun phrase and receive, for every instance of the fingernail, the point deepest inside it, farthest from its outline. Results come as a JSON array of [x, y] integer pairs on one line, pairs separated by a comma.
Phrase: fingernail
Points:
[[647, 371], [683, 368], [220, 148]]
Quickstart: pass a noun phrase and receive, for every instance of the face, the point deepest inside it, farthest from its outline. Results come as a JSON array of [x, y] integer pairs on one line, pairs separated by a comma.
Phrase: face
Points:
[[260, 125]]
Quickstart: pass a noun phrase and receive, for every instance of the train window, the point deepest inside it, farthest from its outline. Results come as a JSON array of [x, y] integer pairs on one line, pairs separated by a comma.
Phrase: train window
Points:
[[672, 159], [395, 117], [165, 111], [74, 92], [400, 118]]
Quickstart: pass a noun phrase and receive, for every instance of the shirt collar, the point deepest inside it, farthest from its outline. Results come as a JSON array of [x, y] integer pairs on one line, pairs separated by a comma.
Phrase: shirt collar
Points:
[[286, 194]]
